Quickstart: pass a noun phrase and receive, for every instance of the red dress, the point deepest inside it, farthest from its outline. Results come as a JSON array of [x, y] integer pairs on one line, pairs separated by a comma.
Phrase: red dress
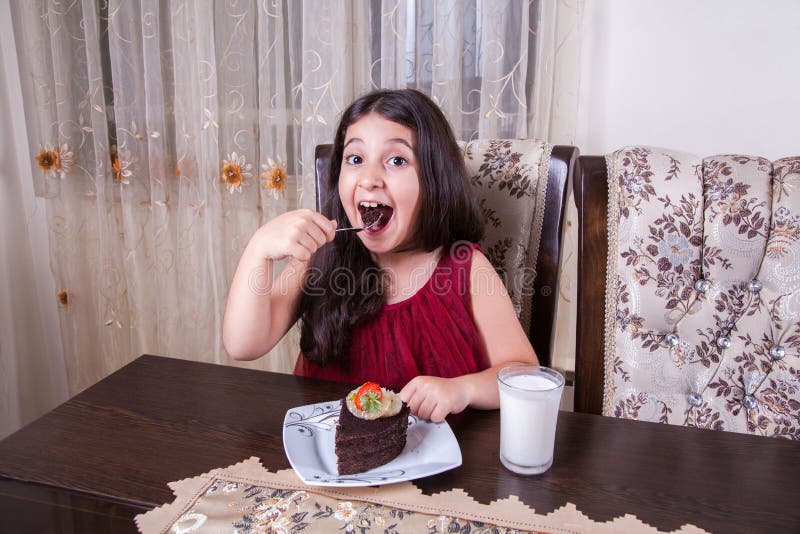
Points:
[[429, 333]]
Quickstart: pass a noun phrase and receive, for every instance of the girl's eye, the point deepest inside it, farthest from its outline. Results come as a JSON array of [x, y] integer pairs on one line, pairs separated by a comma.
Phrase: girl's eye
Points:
[[353, 160], [397, 161]]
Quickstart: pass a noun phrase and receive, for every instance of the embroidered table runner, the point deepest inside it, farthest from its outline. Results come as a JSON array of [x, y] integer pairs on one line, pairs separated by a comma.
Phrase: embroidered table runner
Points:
[[246, 498]]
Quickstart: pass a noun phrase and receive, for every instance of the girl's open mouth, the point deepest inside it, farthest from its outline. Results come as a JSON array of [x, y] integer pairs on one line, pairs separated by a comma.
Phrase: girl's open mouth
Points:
[[375, 215]]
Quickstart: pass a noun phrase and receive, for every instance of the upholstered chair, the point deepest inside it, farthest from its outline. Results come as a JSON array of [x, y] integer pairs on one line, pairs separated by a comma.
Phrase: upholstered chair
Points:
[[689, 290], [521, 186]]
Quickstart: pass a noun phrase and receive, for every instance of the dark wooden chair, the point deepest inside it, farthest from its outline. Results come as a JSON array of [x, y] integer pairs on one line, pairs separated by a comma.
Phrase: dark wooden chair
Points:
[[590, 186], [543, 297]]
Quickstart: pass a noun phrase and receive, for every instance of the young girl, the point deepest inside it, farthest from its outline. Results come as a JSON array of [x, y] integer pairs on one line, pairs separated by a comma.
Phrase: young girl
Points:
[[408, 302]]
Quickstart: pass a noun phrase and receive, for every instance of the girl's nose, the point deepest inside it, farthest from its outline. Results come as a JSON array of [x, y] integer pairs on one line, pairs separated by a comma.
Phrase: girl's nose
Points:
[[371, 177]]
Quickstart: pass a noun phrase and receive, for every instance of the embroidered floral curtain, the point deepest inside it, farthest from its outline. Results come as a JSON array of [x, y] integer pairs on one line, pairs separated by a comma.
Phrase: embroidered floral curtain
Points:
[[164, 133]]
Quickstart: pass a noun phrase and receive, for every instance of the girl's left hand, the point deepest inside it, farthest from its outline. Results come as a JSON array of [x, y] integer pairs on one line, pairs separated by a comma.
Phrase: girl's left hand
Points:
[[433, 398]]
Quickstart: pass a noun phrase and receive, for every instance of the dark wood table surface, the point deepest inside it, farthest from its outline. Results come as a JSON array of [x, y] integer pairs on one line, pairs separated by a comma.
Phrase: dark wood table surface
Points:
[[107, 454]]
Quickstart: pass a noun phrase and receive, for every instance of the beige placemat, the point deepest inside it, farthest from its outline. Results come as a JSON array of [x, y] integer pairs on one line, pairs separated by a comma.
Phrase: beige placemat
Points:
[[247, 498]]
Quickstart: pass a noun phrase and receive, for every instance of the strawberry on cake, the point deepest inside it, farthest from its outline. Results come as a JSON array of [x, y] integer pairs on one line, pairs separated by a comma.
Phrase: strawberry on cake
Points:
[[372, 429]]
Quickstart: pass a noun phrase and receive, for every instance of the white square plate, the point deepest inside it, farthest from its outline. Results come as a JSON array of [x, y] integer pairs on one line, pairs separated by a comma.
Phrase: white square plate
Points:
[[308, 439]]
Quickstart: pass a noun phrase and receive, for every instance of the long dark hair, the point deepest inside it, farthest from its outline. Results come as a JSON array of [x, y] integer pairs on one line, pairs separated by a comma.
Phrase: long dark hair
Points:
[[344, 287]]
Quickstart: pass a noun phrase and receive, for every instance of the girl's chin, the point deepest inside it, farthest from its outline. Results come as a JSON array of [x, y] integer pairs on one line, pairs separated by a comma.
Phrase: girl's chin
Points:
[[376, 243], [380, 247], [379, 242]]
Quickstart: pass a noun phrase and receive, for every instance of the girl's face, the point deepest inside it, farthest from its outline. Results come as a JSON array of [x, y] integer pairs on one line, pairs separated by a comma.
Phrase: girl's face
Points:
[[379, 181]]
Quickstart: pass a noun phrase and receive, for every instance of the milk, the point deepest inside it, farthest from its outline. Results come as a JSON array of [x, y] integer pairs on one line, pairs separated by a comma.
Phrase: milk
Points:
[[529, 400]]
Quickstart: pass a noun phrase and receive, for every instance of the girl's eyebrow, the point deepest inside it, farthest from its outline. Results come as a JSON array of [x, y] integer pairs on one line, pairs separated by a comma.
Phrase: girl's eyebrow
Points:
[[388, 141], [352, 140], [401, 141]]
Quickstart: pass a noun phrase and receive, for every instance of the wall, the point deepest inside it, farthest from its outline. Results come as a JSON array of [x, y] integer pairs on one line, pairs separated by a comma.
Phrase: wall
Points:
[[717, 76]]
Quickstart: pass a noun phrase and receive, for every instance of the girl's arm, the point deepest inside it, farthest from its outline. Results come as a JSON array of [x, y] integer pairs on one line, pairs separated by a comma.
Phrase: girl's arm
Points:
[[259, 312], [434, 398]]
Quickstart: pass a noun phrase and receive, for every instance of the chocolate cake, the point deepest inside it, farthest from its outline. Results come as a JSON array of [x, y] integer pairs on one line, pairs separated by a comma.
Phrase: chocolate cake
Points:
[[363, 444]]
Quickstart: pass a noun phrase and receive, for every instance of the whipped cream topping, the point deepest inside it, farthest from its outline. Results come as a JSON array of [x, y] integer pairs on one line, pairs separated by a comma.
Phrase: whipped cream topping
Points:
[[390, 405]]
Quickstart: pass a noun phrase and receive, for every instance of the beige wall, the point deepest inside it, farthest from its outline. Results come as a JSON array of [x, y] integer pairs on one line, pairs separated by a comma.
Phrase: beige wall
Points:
[[707, 77]]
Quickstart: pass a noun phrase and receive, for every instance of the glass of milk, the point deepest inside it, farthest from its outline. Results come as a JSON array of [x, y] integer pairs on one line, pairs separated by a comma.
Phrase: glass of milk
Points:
[[530, 396]]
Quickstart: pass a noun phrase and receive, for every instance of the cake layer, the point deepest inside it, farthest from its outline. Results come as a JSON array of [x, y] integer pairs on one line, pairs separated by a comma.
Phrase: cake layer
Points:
[[363, 444], [354, 461], [347, 437]]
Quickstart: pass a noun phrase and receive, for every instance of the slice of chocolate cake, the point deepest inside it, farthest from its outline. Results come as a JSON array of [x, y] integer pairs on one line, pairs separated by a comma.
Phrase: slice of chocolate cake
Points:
[[371, 431]]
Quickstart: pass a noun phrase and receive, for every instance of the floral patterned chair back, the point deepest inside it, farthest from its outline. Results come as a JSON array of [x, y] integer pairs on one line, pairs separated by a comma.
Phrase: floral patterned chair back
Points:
[[700, 288], [521, 186]]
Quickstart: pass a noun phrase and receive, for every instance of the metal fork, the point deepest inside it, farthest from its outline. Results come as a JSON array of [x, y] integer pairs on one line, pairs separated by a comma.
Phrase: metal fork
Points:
[[359, 228]]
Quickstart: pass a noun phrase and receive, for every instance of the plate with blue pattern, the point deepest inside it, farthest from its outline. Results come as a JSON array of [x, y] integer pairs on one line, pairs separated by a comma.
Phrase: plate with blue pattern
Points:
[[308, 439]]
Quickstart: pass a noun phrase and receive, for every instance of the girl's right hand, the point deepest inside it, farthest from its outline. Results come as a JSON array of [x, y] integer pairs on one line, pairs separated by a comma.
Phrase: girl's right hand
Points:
[[297, 234]]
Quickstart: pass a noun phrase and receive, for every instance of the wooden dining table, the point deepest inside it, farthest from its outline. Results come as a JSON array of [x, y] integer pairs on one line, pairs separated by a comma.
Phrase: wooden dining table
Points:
[[107, 454]]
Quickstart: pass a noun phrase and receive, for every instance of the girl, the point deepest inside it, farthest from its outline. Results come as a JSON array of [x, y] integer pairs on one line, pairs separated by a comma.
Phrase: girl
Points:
[[408, 302]]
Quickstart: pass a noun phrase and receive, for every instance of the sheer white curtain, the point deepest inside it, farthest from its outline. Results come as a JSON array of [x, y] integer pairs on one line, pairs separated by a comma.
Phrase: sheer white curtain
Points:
[[32, 378], [163, 133], [554, 107]]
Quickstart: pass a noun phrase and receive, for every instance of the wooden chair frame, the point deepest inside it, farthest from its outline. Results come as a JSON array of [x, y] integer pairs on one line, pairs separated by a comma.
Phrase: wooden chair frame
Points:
[[591, 199]]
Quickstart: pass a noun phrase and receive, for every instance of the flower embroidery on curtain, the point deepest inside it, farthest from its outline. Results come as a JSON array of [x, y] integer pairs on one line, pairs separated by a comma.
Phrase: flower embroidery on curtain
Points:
[[235, 172], [121, 166], [64, 298], [57, 160], [274, 176]]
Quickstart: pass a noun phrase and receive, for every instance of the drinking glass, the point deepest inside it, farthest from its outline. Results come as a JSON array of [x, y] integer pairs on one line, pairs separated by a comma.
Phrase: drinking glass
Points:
[[530, 396]]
